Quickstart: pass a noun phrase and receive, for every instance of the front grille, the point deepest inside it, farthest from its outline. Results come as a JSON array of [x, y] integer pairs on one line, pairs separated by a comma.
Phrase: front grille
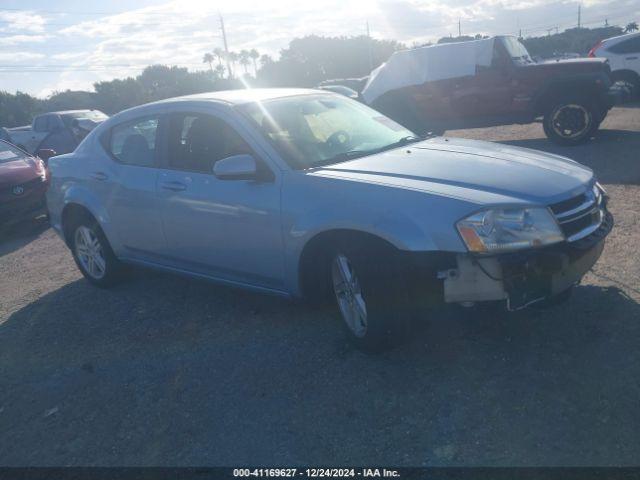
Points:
[[27, 186], [581, 215]]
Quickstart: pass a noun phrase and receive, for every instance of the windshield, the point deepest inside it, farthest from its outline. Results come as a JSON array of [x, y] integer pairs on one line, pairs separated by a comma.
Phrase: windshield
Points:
[[516, 50], [313, 130], [9, 153]]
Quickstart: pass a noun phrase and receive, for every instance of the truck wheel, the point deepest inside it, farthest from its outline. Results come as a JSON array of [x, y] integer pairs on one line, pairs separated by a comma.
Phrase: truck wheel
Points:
[[571, 121], [371, 296], [93, 255]]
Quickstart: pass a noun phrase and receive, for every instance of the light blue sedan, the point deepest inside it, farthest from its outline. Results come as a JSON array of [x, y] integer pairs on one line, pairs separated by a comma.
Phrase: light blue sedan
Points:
[[309, 194]]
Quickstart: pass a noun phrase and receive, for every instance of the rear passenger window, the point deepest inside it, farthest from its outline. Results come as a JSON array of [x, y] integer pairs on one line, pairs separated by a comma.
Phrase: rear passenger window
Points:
[[134, 143], [628, 46]]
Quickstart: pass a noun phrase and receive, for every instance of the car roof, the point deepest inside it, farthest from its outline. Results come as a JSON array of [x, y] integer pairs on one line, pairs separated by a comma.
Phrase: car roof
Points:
[[66, 112], [620, 38], [243, 95]]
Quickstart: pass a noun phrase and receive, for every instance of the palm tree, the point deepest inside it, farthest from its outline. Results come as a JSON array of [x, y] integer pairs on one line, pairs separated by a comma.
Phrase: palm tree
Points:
[[208, 58], [254, 55], [219, 53], [631, 27], [265, 59], [243, 59], [219, 70], [233, 58]]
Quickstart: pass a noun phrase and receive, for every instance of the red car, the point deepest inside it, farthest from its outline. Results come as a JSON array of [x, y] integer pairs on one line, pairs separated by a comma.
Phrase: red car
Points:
[[23, 183]]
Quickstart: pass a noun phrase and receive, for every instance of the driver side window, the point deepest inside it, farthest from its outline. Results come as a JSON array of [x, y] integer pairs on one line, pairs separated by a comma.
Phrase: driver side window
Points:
[[197, 141]]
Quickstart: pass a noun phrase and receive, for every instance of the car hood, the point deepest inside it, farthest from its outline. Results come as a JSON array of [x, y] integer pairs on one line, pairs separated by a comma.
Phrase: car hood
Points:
[[17, 171], [468, 169]]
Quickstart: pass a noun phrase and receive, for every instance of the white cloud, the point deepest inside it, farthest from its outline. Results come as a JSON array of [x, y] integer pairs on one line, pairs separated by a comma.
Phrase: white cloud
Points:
[[22, 21], [12, 40], [20, 56]]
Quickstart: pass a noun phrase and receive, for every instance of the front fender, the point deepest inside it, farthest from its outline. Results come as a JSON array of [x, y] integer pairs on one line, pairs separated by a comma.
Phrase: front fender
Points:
[[593, 84], [407, 219]]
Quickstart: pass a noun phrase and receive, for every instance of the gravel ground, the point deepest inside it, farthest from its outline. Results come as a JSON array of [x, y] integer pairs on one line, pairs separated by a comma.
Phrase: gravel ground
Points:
[[164, 370]]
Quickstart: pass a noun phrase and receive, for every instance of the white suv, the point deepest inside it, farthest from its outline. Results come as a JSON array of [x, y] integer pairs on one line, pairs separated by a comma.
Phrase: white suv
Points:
[[623, 53]]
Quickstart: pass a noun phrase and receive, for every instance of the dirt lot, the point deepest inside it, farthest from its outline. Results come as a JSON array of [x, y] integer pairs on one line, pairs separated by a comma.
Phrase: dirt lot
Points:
[[168, 371]]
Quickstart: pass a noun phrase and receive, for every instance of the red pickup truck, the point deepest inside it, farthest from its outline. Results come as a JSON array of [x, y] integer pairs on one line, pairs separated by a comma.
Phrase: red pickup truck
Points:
[[486, 83]]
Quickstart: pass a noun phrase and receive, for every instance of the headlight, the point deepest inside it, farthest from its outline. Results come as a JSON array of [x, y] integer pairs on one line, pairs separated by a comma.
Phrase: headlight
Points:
[[505, 229]]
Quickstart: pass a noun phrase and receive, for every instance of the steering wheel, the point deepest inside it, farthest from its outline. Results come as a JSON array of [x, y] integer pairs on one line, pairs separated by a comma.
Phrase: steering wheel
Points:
[[338, 139]]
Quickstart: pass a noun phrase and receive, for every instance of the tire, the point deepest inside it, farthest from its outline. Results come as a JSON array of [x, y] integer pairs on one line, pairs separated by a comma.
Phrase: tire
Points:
[[371, 296], [571, 121], [630, 81], [93, 254]]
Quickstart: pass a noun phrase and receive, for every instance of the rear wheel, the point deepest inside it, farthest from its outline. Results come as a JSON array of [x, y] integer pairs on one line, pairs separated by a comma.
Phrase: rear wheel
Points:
[[629, 82], [571, 121], [93, 255], [371, 296]]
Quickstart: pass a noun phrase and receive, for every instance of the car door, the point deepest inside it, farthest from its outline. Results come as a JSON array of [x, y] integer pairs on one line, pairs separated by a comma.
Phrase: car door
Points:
[[229, 229], [42, 125], [631, 54], [125, 181], [488, 93]]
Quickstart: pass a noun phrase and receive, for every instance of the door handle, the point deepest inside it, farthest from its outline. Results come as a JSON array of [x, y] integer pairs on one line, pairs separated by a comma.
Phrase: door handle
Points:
[[173, 186], [101, 176]]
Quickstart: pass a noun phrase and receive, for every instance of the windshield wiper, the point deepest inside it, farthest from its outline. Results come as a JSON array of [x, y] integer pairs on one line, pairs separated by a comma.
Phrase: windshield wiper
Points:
[[402, 142], [342, 157], [353, 154]]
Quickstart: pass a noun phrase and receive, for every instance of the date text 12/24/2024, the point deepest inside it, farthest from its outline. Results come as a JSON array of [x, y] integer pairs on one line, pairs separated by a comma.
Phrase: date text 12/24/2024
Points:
[[317, 472]]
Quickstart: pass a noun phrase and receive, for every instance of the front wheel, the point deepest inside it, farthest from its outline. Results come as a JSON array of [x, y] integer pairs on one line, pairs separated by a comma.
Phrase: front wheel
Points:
[[571, 122], [370, 297], [93, 255]]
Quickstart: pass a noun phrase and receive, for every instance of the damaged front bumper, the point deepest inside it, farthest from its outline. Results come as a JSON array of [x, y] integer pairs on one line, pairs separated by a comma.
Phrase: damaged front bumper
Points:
[[523, 278]]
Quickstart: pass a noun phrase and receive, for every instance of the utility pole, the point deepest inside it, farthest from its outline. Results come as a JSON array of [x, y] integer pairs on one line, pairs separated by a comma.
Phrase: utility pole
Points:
[[459, 28], [226, 46], [579, 12], [369, 47]]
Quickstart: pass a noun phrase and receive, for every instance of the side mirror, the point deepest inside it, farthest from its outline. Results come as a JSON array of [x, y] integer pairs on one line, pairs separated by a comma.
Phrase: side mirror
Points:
[[45, 154], [236, 167]]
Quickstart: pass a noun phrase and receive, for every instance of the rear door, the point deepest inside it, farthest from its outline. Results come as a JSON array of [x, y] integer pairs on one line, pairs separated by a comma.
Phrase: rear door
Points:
[[631, 54], [126, 184], [42, 125]]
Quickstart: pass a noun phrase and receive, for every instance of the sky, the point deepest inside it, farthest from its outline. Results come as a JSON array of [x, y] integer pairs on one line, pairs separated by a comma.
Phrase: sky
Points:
[[70, 44]]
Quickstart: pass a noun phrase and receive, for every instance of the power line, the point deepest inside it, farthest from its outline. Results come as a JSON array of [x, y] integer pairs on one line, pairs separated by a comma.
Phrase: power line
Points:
[[73, 12]]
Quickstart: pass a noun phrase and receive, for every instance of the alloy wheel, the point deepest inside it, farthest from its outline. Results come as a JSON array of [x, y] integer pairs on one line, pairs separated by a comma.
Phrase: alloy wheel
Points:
[[346, 287], [90, 252]]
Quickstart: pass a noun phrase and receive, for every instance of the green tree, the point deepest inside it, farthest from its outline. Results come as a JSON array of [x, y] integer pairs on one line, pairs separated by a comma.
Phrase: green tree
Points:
[[233, 58], [265, 59], [208, 58], [244, 60], [631, 27], [18, 109], [219, 53], [254, 55]]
